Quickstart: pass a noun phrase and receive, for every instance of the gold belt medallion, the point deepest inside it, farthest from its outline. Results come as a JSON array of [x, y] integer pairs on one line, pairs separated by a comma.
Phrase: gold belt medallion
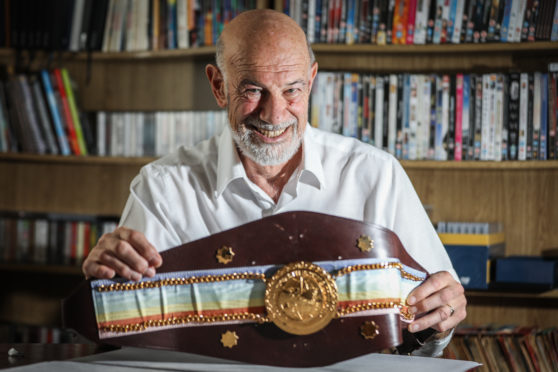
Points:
[[301, 298]]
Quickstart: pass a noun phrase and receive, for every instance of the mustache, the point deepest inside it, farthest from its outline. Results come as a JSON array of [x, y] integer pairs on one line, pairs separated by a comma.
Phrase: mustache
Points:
[[263, 125]]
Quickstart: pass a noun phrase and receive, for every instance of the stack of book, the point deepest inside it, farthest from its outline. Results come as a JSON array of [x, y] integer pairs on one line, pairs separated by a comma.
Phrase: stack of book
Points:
[[154, 133], [506, 348], [49, 238], [114, 25], [39, 114], [425, 21], [493, 116], [471, 247]]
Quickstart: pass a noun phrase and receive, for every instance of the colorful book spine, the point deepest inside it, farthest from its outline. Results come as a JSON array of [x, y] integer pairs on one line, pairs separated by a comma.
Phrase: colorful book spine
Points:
[[73, 110], [72, 135], [55, 114], [411, 21]]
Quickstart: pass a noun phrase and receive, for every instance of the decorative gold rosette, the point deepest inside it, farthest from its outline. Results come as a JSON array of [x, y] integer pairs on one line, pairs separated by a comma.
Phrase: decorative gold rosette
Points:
[[301, 298]]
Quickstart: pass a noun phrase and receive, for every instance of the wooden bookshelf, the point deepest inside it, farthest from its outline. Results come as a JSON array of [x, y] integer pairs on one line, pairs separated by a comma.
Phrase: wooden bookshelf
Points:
[[522, 195]]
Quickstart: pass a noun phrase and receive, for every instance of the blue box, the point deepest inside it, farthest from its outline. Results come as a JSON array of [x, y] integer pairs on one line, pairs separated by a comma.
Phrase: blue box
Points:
[[526, 272], [472, 264]]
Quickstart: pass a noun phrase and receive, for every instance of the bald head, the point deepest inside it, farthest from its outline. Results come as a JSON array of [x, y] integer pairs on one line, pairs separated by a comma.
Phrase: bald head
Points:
[[256, 30]]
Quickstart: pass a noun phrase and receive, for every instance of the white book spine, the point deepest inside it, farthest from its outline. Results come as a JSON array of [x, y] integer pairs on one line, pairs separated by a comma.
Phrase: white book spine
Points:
[[378, 120], [101, 133], [421, 20], [456, 36], [499, 118], [77, 17], [183, 36], [392, 113], [413, 118]]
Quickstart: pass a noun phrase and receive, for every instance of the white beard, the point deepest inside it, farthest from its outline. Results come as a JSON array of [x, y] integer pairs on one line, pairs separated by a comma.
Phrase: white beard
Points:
[[266, 153]]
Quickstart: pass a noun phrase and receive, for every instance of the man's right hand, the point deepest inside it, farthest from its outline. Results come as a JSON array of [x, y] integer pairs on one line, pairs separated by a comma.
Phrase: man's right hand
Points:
[[124, 252]]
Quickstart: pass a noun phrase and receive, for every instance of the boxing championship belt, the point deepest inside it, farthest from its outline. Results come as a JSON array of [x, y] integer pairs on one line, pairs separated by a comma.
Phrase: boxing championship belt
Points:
[[294, 289]]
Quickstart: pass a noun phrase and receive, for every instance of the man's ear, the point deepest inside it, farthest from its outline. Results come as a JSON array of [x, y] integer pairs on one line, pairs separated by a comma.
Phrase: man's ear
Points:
[[217, 84], [313, 72]]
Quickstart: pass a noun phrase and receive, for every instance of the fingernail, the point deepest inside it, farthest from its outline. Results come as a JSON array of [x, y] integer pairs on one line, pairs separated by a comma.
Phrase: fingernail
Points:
[[150, 272], [414, 327], [135, 277], [411, 300], [412, 310]]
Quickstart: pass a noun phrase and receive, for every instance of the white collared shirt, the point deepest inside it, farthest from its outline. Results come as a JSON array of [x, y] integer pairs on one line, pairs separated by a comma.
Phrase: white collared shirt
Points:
[[199, 191]]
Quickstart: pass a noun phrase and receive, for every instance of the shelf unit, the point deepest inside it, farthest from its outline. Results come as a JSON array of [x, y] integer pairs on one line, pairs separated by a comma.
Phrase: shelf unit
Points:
[[522, 195]]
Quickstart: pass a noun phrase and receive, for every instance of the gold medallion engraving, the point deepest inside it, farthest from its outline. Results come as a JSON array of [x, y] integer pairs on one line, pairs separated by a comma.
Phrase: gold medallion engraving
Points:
[[369, 330], [364, 243], [229, 339], [301, 298], [225, 254]]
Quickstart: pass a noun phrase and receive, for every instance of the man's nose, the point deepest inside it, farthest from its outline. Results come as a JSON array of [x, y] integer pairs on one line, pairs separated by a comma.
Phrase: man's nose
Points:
[[273, 109]]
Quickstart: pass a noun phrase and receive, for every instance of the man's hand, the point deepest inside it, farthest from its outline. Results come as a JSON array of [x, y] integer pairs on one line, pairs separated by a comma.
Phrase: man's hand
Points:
[[442, 299], [124, 252]]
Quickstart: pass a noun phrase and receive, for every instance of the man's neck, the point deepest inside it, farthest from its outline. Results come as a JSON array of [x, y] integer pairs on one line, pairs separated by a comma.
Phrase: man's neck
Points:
[[271, 178]]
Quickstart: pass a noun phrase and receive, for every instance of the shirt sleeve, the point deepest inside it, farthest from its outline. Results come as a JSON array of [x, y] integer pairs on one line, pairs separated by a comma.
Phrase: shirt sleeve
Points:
[[411, 223]]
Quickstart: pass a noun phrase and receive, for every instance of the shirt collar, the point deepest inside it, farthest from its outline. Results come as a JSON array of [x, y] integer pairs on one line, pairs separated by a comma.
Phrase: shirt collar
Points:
[[229, 166]]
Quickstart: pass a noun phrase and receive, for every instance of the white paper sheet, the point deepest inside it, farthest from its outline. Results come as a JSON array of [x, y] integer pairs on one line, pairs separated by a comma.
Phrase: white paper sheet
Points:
[[129, 358]]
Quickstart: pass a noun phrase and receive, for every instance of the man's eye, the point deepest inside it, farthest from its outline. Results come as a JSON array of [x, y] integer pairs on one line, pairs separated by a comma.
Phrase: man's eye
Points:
[[293, 92], [252, 92]]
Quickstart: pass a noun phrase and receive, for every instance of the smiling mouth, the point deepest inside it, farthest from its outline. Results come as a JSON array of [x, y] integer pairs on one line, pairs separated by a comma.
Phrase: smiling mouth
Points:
[[271, 133]]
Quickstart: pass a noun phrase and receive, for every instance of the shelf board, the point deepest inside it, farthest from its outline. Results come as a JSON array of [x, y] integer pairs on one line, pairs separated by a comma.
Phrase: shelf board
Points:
[[74, 159], [407, 164], [513, 48], [480, 165], [318, 48]]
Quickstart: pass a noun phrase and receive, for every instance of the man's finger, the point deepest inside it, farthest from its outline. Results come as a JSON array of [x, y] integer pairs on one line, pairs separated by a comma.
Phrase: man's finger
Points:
[[144, 248], [432, 284]]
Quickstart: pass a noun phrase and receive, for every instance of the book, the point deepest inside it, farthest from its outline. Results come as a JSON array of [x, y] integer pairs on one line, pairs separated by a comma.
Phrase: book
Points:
[[58, 86], [55, 114], [42, 114], [69, 92], [513, 116], [76, 25], [421, 22]]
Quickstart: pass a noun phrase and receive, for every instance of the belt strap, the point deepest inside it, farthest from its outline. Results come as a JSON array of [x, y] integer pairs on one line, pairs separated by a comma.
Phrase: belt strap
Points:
[[260, 293]]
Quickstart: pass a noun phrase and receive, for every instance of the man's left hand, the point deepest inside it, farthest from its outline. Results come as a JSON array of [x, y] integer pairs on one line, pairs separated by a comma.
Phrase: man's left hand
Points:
[[442, 301]]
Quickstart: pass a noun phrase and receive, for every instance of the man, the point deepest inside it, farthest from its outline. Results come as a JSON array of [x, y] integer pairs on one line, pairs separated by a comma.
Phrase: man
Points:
[[270, 161]]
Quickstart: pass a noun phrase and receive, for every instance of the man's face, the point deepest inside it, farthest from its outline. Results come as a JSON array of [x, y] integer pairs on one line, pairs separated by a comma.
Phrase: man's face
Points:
[[267, 101]]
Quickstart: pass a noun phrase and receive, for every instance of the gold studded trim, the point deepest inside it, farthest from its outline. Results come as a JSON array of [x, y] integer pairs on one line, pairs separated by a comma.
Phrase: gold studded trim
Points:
[[384, 265], [178, 281], [142, 326]]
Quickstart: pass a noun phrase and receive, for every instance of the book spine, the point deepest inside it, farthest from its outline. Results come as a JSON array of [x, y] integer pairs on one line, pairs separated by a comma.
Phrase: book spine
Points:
[[72, 136], [392, 114], [552, 114], [43, 115], [544, 117], [466, 117], [513, 116], [459, 86], [73, 110], [523, 116], [378, 126], [55, 114], [536, 115], [504, 28], [411, 20]]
